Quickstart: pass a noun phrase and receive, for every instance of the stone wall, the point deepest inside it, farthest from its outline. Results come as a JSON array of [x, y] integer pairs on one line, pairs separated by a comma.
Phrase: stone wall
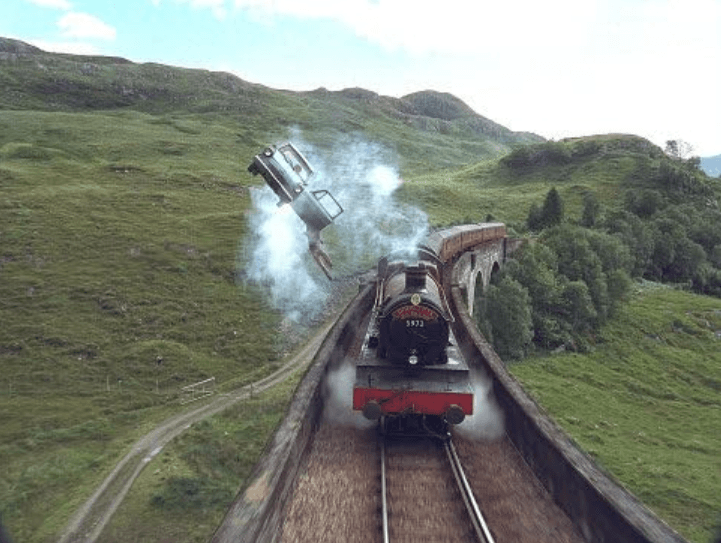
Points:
[[257, 513]]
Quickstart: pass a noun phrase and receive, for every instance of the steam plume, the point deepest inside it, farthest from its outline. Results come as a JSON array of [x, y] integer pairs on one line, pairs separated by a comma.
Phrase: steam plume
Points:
[[486, 423], [338, 397], [363, 179]]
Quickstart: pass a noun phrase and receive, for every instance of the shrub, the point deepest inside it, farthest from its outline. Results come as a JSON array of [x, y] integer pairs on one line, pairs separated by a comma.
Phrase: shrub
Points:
[[184, 493], [508, 311]]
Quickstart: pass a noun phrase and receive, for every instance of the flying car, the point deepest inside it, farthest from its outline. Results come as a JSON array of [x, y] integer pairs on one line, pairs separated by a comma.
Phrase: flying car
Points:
[[287, 172]]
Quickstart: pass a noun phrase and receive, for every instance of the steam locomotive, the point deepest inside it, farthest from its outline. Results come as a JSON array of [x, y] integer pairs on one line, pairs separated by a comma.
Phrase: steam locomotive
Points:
[[410, 370]]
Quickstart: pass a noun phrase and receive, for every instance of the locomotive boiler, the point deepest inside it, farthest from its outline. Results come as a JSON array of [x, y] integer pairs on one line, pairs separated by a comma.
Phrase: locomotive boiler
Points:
[[413, 315]]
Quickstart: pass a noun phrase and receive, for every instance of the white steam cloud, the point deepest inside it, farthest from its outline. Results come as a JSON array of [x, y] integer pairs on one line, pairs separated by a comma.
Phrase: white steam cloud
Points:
[[362, 178], [279, 256], [338, 398], [486, 423]]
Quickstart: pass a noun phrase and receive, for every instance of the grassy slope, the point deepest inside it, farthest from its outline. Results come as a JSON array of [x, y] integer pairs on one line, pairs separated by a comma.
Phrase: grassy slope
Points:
[[118, 239], [471, 192], [646, 405], [185, 494]]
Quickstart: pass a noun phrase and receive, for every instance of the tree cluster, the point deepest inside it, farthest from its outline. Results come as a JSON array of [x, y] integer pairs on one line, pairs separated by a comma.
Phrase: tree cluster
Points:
[[540, 154], [565, 284], [550, 214], [672, 243], [558, 292]]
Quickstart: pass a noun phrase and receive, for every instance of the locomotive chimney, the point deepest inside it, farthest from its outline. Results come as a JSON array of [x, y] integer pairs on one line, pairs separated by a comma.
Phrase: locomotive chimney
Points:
[[416, 278]]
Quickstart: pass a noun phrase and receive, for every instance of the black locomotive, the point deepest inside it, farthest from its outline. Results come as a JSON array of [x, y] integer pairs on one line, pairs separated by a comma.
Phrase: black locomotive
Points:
[[410, 364], [413, 315]]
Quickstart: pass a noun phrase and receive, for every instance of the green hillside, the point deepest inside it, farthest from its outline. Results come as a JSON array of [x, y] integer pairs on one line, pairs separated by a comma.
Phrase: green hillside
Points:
[[124, 204], [417, 128], [606, 165], [645, 402], [119, 234]]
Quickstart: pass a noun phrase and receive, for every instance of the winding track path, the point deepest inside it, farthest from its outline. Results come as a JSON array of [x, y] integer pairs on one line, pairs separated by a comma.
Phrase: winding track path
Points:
[[88, 522]]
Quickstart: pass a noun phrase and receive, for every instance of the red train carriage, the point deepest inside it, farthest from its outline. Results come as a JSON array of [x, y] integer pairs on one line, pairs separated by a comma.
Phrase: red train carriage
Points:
[[449, 243]]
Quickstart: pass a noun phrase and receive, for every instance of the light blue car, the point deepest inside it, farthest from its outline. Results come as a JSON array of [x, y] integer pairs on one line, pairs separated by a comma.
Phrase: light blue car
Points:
[[288, 173]]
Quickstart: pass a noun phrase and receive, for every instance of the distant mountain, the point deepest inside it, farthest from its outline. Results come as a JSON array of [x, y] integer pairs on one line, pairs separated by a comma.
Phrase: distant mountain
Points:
[[429, 111], [445, 106], [430, 128], [712, 165]]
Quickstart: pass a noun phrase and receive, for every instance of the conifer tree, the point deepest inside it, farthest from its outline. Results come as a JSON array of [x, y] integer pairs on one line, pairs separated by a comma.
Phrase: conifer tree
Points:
[[552, 208]]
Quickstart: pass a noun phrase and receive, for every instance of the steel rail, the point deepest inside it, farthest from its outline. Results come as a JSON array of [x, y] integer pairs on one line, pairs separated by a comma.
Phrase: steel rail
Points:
[[480, 527], [474, 512], [384, 497]]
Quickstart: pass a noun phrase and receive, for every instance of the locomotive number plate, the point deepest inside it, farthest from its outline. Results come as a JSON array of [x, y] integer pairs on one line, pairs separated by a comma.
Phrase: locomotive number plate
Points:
[[420, 323], [410, 313]]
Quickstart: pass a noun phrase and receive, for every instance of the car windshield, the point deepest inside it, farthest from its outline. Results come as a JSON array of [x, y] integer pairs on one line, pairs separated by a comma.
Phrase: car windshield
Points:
[[296, 163]]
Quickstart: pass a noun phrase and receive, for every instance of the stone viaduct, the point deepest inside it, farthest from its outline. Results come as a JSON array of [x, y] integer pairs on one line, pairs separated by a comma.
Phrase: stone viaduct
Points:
[[475, 268]]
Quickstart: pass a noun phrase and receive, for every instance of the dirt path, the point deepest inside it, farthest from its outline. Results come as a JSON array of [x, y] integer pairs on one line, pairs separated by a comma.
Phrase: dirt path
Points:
[[89, 521]]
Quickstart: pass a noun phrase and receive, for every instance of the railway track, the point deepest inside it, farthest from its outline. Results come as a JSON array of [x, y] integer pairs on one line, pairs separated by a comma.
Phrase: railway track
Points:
[[425, 495], [338, 495], [480, 527]]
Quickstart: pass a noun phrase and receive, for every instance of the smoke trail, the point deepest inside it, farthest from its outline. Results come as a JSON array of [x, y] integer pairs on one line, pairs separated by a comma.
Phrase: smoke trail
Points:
[[363, 179], [374, 224]]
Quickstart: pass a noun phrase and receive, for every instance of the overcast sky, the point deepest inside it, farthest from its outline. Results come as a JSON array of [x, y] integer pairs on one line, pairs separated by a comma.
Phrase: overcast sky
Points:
[[555, 67]]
